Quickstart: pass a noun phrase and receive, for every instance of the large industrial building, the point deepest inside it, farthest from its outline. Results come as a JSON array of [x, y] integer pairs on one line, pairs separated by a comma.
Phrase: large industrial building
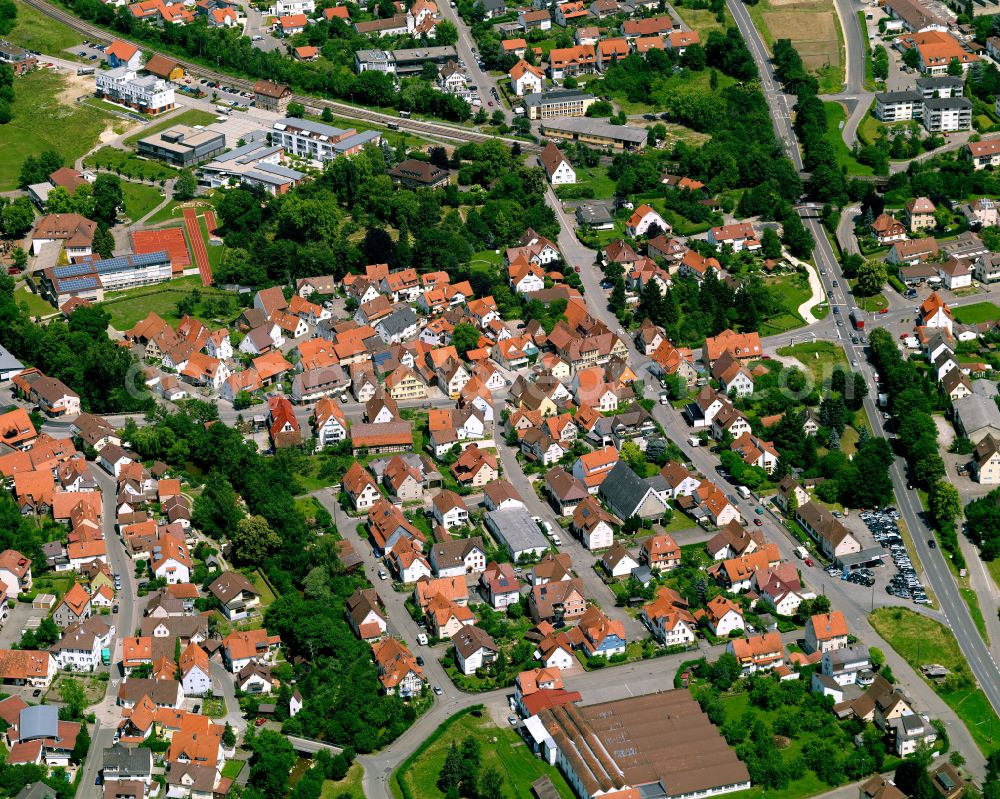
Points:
[[658, 746]]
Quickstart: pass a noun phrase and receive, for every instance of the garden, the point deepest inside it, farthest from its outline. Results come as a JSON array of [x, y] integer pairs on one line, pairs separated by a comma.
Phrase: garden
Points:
[[471, 756]]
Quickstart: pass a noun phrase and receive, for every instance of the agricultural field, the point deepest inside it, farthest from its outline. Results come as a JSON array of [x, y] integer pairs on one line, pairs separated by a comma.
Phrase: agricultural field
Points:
[[814, 30]]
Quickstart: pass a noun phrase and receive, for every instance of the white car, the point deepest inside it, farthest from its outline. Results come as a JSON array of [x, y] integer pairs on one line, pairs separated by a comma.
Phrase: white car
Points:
[[557, 540], [548, 527]]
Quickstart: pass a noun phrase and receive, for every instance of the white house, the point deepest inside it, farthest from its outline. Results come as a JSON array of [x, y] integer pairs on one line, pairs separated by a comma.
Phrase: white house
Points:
[[557, 167], [643, 219], [474, 648], [196, 675], [525, 79]]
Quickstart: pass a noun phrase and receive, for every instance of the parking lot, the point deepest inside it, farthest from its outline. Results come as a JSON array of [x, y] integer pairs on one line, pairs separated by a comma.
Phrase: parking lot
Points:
[[904, 583]]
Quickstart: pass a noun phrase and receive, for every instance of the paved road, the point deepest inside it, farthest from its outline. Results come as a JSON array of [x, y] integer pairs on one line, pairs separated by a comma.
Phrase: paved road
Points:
[[583, 560], [780, 103], [485, 83], [938, 575]]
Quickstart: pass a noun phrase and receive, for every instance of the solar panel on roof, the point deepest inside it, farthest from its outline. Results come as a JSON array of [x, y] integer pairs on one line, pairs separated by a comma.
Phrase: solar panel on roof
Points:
[[72, 270], [78, 283]]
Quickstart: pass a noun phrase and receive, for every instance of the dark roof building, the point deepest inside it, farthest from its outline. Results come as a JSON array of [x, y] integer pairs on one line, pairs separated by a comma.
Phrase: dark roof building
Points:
[[416, 174]]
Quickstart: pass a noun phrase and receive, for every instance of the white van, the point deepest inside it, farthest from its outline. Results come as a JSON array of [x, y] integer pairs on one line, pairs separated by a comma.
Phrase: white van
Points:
[[694, 441], [422, 639], [744, 491]]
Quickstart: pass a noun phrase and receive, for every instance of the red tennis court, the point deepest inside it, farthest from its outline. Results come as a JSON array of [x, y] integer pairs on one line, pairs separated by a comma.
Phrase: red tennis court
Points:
[[198, 246], [169, 239]]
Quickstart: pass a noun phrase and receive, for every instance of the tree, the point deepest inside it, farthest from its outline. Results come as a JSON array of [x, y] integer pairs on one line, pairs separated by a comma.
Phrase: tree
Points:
[[694, 58], [429, 72], [217, 509], [254, 540], [464, 337], [770, 244], [955, 68], [450, 773], [272, 761], [104, 242], [491, 784], [108, 198], [633, 456], [725, 671], [911, 57], [296, 110], [73, 696], [229, 736], [497, 117], [871, 277], [82, 745], [186, 185], [945, 505], [327, 115], [17, 217]]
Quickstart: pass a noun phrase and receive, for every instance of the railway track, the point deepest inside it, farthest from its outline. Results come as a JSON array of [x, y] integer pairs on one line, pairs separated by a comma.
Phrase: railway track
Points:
[[434, 130]]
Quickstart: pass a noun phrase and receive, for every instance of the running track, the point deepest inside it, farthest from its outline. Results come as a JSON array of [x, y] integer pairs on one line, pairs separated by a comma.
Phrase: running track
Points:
[[198, 246], [210, 223]]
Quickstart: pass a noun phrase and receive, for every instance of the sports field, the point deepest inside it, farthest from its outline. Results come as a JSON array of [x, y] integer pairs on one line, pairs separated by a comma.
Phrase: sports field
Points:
[[814, 29]]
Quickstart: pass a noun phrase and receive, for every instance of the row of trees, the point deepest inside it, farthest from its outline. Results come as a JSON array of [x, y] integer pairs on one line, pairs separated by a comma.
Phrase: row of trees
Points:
[[228, 49], [911, 400]]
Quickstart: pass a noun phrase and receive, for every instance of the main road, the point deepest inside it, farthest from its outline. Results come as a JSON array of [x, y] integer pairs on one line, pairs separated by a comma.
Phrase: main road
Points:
[[938, 575]]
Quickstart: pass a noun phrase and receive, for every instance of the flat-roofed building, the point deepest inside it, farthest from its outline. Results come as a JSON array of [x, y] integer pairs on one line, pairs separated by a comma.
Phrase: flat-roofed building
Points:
[[947, 114], [595, 134], [561, 103], [660, 745], [89, 279], [898, 106], [183, 145], [319, 142], [147, 94], [254, 164]]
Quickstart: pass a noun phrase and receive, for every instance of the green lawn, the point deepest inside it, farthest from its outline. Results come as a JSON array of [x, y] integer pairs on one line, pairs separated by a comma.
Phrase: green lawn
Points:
[[819, 357], [598, 180], [350, 785], [974, 314], [266, 594], [174, 210], [486, 261], [835, 116], [43, 122], [140, 199], [129, 307], [869, 64], [793, 290], [129, 165], [870, 128], [920, 641], [190, 117], [36, 305], [36, 31], [704, 21], [233, 768], [501, 749], [993, 567]]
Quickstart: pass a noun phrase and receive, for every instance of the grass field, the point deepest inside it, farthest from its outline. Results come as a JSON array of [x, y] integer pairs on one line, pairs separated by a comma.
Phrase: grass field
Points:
[[350, 785], [835, 117], [174, 210], [920, 641], [818, 357], [704, 21], [140, 199], [129, 165], [869, 65], [500, 748], [36, 31], [36, 305], [42, 121], [191, 117], [979, 312], [793, 290], [870, 129], [129, 307], [597, 179]]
